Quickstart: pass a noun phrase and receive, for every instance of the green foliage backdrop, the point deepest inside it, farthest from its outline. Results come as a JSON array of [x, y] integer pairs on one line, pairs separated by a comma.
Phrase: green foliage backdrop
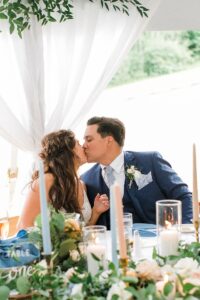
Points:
[[158, 53]]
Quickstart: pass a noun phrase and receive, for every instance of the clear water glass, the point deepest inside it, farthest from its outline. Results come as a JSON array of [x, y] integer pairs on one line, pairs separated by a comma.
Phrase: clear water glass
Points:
[[128, 225]]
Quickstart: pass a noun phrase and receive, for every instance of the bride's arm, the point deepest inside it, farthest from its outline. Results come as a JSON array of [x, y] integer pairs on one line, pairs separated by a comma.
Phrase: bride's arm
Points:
[[31, 207], [32, 203]]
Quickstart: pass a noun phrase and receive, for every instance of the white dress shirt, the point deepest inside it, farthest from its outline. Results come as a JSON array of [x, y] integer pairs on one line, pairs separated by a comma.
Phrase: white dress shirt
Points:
[[118, 171]]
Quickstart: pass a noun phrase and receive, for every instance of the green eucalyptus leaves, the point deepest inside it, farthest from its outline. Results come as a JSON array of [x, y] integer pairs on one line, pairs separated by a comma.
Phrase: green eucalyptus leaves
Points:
[[18, 13]]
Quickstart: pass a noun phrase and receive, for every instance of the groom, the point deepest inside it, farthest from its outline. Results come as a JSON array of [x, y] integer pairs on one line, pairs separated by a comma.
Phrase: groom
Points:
[[144, 177]]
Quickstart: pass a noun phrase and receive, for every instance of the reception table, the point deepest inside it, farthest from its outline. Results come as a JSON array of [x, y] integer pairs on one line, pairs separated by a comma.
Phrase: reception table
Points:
[[149, 242]]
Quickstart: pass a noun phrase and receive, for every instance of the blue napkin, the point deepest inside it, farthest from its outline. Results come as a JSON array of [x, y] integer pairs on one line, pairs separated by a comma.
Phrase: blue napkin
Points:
[[145, 230], [17, 251]]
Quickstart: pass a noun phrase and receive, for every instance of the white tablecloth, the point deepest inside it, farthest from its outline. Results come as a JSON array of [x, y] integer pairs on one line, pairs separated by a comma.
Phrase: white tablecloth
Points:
[[147, 244]]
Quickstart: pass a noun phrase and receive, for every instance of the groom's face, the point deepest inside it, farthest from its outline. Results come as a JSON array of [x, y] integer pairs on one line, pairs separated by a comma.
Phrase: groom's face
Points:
[[95, 146]]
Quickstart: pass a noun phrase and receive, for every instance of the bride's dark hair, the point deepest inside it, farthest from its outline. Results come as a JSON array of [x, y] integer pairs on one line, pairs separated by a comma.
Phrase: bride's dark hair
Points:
[[58, 156]]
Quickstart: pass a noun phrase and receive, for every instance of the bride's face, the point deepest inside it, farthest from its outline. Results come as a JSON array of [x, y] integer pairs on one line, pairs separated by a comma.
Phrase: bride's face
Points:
[[78, 149]]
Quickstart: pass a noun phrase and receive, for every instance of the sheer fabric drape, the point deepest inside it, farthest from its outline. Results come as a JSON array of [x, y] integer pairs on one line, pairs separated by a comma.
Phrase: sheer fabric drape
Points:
[[50, 78]]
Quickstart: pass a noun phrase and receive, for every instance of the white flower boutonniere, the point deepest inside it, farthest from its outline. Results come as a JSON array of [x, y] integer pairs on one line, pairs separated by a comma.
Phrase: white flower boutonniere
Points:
[[132, 174]]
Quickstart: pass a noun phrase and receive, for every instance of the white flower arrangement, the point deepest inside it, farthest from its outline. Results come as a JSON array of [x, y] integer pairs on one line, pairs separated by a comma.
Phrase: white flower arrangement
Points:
[[173, 280], [118, 289], [169, 282]]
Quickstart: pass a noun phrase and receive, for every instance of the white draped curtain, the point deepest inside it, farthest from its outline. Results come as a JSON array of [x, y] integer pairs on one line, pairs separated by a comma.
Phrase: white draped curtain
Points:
[[51, 77]]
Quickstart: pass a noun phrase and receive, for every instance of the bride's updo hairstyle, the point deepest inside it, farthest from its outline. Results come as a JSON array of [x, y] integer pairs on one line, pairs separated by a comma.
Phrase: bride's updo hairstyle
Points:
[[57, 154]]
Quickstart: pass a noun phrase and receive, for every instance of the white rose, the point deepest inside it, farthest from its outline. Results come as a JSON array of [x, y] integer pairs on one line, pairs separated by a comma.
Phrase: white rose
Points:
[[186, 266], [104, 275], [169, 271], [74, 254], [129, 171], [192, 280], [148, 270], [119, 289], [133, 170]]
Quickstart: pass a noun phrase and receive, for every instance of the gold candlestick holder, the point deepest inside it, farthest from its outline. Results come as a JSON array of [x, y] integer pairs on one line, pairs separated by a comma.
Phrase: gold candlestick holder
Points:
[[124, 265], [12, 174], [196, 226]]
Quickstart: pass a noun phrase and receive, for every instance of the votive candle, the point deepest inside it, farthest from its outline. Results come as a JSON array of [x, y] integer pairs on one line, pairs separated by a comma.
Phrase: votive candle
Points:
[[100, 252], [169, 239]]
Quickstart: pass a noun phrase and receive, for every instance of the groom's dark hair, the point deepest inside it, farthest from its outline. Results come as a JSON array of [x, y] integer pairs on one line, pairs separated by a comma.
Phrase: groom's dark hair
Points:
[[109, 126]]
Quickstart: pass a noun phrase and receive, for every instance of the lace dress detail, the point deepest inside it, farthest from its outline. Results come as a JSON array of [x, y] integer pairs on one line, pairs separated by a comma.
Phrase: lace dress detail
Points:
[[86, 209]]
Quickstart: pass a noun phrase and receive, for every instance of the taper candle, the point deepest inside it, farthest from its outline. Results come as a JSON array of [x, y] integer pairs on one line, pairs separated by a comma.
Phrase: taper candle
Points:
[[119, 213], [44, 213], [113, 227]]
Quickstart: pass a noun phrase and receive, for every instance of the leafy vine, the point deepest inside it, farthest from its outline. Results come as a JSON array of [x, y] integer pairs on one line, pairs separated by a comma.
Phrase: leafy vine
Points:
[[18, 13]]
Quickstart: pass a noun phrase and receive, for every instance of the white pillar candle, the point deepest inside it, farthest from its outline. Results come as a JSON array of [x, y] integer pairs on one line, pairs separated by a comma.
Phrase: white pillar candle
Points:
[[100, 252], [169, 240]]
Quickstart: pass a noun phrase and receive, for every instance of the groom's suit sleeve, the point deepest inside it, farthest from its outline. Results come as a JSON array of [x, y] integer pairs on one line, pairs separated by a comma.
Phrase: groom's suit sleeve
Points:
[[172, 185]]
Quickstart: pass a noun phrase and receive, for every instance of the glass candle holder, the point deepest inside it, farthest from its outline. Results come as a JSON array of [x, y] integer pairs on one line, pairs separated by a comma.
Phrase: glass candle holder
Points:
[[168, 220], [94, 238], [128, 226]]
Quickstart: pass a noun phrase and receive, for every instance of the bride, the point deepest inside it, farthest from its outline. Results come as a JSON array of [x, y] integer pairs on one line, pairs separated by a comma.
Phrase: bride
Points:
[[62, 155]]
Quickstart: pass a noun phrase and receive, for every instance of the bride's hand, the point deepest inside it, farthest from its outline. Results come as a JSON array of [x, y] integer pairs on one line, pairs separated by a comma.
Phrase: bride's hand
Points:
[[101, 203]]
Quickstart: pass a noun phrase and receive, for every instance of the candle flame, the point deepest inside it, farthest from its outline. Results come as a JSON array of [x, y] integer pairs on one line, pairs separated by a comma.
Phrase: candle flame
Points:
[[94, 238]]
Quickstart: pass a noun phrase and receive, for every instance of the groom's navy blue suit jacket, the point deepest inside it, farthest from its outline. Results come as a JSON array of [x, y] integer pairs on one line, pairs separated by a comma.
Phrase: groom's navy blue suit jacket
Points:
[[165, 184]]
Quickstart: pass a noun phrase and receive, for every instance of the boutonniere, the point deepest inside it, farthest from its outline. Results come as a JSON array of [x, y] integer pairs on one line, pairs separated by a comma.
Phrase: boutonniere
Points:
[[132, 174]]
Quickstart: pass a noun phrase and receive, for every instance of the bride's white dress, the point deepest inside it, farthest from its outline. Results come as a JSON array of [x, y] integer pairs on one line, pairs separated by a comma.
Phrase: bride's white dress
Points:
[[86, 208]]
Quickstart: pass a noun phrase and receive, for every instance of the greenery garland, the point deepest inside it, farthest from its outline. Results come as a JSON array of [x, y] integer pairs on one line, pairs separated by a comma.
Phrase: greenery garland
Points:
[[18, 12]]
